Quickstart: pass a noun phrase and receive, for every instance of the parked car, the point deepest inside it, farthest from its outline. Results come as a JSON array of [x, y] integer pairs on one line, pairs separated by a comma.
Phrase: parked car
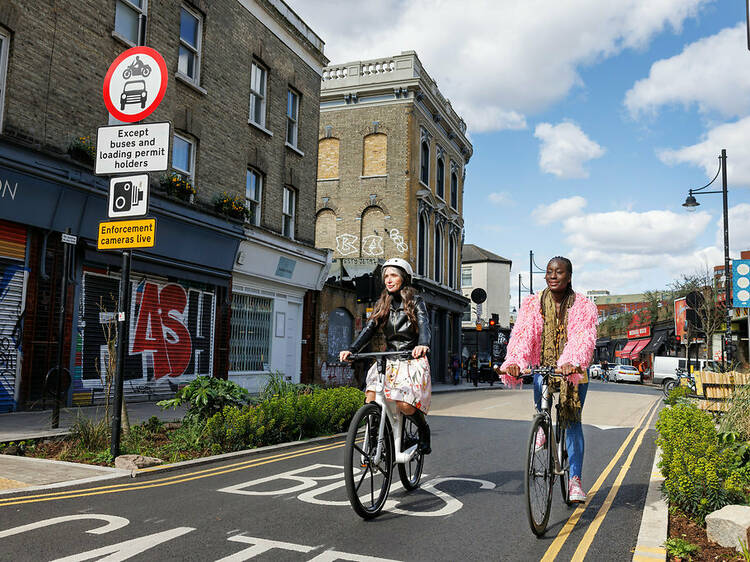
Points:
[[625, 373], [665, 367], [486, 373]]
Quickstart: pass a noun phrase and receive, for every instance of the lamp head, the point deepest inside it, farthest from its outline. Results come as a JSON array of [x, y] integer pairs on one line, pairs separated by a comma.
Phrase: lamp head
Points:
[[690, 202]]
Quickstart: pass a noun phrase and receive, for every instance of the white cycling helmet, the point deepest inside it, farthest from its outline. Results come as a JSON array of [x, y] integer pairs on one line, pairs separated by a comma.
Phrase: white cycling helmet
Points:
[[401, 264]]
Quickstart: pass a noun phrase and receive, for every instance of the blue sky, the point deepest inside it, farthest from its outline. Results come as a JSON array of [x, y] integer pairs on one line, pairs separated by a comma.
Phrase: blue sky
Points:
[[590, 121]]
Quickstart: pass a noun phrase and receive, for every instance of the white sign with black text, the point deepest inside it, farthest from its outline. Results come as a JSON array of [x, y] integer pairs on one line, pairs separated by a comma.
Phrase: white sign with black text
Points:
[[121, 149], [128, 196]]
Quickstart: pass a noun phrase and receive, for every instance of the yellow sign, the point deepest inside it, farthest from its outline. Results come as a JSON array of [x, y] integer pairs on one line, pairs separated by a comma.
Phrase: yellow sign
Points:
[[119, 235]]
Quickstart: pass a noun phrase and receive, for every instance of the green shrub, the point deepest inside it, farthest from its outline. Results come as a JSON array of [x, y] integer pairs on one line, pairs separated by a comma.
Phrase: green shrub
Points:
[[737, 418], [206, 396], [701, 475], [680, 548], [90, 434], [677, 394]]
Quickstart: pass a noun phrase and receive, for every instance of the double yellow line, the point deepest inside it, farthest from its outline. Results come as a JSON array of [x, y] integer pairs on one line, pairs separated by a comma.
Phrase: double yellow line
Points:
[[588, 537], [168, 481]]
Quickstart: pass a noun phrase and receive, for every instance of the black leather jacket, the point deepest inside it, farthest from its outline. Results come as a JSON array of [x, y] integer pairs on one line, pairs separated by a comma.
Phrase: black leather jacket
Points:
[[400, 333]]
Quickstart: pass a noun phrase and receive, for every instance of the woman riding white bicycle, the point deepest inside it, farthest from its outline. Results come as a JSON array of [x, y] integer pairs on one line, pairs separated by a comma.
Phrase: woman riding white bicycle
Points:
[[557, 328], [402, 316]]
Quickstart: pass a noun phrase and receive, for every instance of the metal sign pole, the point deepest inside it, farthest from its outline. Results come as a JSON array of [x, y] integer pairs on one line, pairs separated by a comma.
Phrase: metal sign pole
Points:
[[122, 348], [61, 332]]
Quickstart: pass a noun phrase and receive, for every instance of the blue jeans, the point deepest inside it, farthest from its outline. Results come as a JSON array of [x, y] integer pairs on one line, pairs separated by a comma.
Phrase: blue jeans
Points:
[[574, 431]]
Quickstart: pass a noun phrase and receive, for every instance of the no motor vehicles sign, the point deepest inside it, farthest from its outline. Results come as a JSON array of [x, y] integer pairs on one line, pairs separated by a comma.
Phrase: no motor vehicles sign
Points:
[[135, 84]]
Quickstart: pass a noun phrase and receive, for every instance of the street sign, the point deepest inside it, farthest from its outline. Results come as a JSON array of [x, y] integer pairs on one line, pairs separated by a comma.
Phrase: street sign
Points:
[[479, 295], [135, 84], [69, 239], [740, 283], [121, 149], [128, 196], [120, 235]]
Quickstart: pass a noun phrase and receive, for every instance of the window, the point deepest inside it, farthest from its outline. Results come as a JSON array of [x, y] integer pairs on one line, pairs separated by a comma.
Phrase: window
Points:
[[328, 159], [253, 193], [4, 50], [292, 115], [183, 156], [438, 254], [250, 344], [422, 245], [424, 175], [454, 190], [130, 21], [375, 159], [452, 262], [287, 226], [467, 314], [466, 277], [258, 95], [189, 61], [440, 187], [340, 333]]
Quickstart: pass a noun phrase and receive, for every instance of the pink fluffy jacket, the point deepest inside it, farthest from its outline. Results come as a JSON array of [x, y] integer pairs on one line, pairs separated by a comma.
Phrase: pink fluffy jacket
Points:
[[524, 348]]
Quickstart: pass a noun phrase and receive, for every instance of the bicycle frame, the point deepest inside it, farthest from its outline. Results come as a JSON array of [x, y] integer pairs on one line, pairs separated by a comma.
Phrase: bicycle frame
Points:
[[546, 411]]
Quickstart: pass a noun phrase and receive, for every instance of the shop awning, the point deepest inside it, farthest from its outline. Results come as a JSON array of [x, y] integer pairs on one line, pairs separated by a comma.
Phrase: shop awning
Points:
[[625, 351], [638, 347], [657, 342]]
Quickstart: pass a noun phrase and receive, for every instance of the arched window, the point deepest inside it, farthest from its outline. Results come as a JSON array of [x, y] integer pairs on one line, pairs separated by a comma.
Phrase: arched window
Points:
[[372, 233], [439, 249], [424, 174], [440, 187], [325, 230], [452, 261], [374, 161], [328, 159], [454, 190], [422, 244], [340, 333]]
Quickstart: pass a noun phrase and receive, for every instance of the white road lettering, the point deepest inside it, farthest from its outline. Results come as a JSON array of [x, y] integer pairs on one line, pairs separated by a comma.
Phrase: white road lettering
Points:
[[260, 546], [333, 555], [127, 549], [452, 505], [305, 482], [113, 523]]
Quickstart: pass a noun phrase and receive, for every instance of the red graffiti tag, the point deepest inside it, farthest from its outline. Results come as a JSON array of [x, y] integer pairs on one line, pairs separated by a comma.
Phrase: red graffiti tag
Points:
[[159, 329]]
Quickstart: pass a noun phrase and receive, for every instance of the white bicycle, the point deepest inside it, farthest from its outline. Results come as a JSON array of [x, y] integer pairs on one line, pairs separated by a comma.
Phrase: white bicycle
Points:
[[375, 443]]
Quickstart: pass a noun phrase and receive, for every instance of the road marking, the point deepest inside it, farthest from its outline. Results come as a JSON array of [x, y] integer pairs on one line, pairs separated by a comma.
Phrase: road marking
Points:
[[8, 484], [562, 536], [166, 481], [593, 527]]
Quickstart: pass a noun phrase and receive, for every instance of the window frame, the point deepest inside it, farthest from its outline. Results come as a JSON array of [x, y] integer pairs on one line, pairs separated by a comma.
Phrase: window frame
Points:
[[194, 148], [423, 230], [438, 254], [236, 341], [424, 163], [440, 181], [294, 121], [142, 14], [452, 261], [197, 50], [454, 190], [4, 55], [255, 95], [471, 277], [258, 193], [289, 195]]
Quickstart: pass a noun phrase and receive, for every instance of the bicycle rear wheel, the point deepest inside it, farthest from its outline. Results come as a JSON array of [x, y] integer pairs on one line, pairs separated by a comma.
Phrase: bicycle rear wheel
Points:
[[539, 477], [410, 472], [367, 483], [564, 462]]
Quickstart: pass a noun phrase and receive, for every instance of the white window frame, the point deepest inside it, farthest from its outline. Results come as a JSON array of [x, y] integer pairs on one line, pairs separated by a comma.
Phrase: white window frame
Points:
[[142, 18], [292, 120], [197, 50], [465, 270], [188, 173], [243, 349], [288, 211], [4, 53], [255, 95], [258, 194]]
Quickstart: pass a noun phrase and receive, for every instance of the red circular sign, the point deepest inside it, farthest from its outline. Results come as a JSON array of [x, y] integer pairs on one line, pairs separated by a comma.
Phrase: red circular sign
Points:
[[133, 88]]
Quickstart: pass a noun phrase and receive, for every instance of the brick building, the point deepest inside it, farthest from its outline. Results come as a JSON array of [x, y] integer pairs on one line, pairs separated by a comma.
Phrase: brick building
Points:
[[213, 296], [392, 154]]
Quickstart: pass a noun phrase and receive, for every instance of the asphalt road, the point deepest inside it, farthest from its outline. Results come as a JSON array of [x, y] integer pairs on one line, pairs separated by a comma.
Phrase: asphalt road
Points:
[[291, 505]]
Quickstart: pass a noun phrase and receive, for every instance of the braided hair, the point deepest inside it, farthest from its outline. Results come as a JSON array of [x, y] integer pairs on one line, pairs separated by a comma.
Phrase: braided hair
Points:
[[569, 292]]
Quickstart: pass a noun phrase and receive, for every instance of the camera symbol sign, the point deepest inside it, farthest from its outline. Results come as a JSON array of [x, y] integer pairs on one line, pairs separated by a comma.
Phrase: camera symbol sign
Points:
[[128, 196]]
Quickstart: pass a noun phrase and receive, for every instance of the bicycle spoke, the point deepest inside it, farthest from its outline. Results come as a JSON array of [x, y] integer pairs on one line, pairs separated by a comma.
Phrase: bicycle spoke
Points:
[[364, 475]]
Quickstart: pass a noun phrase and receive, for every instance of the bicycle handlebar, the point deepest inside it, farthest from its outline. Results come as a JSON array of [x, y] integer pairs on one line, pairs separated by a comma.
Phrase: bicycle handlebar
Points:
[[538, 371], [404, 353]]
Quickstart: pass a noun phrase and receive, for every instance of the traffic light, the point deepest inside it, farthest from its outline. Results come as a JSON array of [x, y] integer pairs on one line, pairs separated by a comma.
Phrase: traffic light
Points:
[[494, 320]]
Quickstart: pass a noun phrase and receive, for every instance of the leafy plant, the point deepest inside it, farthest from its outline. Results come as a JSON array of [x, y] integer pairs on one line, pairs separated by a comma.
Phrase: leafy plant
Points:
[[83, 148], [153, 424], [90, 434], [737, 418], [744, 551], [677, 394], [206, 396], [680, 548], [178, 185], [232, 205]]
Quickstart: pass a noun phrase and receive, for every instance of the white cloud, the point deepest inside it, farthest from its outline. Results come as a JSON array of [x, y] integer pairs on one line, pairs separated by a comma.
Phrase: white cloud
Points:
[[501, 198], [498, 55], [565, 149], [739, 231], [732, 136], [705, 73], [559, 210]]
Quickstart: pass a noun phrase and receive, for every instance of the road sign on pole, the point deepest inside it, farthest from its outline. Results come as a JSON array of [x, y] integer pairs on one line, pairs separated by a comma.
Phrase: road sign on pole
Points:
[[122, 149], [120, 235], [128, 196], [135, 84], [740, 283]]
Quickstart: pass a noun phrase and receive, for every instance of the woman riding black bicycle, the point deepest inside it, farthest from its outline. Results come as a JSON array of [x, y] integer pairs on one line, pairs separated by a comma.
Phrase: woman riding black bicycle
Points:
[[402, 315]]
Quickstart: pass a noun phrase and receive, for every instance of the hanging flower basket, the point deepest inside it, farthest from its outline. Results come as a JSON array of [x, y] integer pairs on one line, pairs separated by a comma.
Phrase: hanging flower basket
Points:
[[232, 205], [178, 186], [83, 149]]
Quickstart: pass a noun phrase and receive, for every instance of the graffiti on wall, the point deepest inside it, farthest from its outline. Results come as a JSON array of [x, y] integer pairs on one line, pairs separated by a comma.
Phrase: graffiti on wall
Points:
[[171, 330], [11, 283], [372, 245], [398, 240], [336, 374], [346, 244]]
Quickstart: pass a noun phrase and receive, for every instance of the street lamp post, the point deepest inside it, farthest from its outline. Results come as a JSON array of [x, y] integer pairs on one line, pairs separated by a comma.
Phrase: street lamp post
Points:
[[690, 204]]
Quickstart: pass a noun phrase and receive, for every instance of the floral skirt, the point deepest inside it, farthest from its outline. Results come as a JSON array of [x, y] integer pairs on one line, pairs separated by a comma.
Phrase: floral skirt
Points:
[[406, 380]]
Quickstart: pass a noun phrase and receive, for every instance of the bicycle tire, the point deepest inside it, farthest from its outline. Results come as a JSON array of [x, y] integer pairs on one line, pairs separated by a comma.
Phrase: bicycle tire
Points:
[[410, 472], [359, 469], [564, 462], [538, 478]]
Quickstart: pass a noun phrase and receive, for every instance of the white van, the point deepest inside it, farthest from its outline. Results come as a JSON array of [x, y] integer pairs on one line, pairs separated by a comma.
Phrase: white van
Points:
[[664, 367]]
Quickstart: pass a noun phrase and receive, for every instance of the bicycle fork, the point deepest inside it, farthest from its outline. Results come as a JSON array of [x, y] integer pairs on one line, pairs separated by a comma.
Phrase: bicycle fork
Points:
[[546, 409]]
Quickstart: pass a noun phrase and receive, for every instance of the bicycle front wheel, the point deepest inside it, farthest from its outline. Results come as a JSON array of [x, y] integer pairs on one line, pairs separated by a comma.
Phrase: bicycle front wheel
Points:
[[410, 472], [539, 477], [562, 447], [368, 482]]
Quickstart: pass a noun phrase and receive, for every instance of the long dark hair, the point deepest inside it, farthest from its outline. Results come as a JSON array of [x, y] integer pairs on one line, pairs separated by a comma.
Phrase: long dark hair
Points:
[[383, 306], [570, 294]]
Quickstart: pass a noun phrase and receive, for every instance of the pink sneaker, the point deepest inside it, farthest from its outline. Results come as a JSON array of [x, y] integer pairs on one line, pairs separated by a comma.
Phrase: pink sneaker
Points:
[[575, 491], [541, 439]]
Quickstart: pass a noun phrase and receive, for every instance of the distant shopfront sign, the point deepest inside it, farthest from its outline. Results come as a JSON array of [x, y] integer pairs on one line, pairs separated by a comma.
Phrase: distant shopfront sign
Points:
[[643, 332], [680, 317]]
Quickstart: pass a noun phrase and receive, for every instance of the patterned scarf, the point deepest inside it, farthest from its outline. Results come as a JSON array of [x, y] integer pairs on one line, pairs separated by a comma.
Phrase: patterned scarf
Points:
[[554, 338]]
